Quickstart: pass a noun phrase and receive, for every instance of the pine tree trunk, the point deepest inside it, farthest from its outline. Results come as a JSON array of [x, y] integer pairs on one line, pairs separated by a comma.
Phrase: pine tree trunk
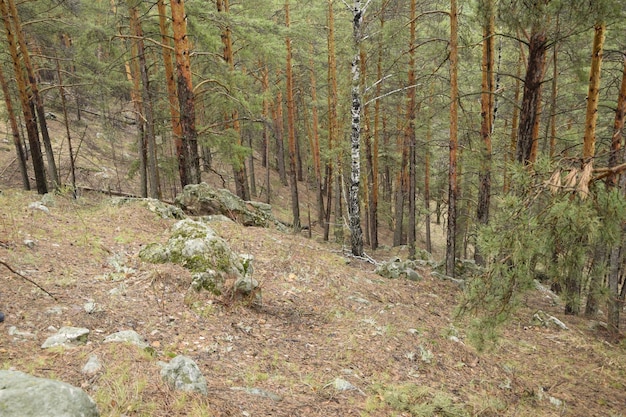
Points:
[[67, 128], [487, 111], [410, 135], [531, 100], [553, 102], [185, 93], [591, 117], [291, 125], [17, 140], [150, 141], [171, 92], [514, 126], [315, 142], [453, 190], [27, 107], [332, 118], [36, 99], [278, 133]]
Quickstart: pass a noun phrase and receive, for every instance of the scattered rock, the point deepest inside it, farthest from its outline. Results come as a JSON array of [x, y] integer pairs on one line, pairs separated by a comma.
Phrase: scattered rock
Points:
[[90, 307], [29, 243], [126, 336], [341, 384], [183, 374], [543, 319], [25, 395], [38, 205], [92, 366], [67, 336], [397, 268], [13, 331], [259, 393]]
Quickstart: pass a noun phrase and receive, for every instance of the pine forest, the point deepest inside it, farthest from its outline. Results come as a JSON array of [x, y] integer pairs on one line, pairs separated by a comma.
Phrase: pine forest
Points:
[[486, 133]]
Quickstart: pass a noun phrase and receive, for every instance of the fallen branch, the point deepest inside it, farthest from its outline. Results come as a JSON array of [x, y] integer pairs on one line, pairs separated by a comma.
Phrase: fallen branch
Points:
[[27, 279]]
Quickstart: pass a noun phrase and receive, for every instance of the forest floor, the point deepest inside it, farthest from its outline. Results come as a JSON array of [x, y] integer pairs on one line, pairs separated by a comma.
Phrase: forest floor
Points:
[[324, 318]]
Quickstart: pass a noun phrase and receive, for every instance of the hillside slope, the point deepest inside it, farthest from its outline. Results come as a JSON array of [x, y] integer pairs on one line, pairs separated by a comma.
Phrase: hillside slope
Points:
[[325, 320]]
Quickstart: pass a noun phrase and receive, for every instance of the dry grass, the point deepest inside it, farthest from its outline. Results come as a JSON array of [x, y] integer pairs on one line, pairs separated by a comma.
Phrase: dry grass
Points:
[[323, 317]]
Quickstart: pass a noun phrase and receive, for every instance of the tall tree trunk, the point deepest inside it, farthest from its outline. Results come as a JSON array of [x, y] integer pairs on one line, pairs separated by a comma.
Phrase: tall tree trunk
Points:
[[27, 105], [410, 134], [531, 100], [332, 117], [17, 140], [453, 186], [402, 181], [186, 99], [291, 125], [487, 113], [373, 152], [429, 137], [315, 142], [591, 116], [241, 181], [265, 82], [149, 138], [67, 128], [36, 99], [510, 156], [354, 207], [615, 302], [280, 144], [553, 102], [172, 97]]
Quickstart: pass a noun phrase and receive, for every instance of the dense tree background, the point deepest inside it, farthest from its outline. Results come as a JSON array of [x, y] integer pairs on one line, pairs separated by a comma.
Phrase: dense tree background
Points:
[[258, 91]]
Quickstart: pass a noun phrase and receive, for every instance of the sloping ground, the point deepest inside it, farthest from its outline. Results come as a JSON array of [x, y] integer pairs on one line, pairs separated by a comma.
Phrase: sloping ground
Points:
[[324, 321]]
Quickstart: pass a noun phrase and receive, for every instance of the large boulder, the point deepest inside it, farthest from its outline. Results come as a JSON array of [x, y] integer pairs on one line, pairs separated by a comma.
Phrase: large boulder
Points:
[[202, 200], [195, 246], [25, 395]]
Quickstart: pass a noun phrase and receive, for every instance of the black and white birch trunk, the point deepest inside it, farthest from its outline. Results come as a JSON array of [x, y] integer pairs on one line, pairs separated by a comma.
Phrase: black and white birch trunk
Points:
[[356, 239]]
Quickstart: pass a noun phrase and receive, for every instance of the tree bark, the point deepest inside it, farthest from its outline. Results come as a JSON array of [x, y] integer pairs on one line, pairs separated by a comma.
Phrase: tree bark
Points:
[[531, 100], [171, 90], [291, 125], [591, 116], [152, 169], [185, 94], [486, 112], [278, 133], [241, 181], [410, 134], [27, 105], [36, 98], [17, 140], [315, 142], [332, 116], [453, 185], [356, 237]]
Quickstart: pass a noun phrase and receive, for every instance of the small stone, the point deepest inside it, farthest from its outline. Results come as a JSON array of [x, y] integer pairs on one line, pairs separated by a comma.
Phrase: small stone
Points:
[[182, 373], [128, 336], [92, 366], [29, 243]]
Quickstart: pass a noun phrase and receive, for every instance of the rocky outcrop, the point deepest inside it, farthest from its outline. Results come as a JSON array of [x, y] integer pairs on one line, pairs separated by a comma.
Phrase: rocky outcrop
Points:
[[194, 245], [202, 200], [25, 395]]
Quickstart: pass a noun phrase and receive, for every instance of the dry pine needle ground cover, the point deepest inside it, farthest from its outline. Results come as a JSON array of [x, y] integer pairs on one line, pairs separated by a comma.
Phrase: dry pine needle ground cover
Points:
[[322, 317]]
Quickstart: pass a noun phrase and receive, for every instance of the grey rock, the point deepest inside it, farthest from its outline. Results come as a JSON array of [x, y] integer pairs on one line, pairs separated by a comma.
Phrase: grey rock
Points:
[[67, 336], [259, 393], [194, 245], [202, 200], [13, 331], [126, 336], [38, 205], [93, 366], [29, 243], [24, 395], [182, 373]]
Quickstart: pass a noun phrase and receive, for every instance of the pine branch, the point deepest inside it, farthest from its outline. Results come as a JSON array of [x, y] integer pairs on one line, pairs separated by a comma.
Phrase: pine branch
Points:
[[27, 279]]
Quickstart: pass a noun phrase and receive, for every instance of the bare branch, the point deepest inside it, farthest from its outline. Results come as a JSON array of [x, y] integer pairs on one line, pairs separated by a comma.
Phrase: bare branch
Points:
[[27, 279]]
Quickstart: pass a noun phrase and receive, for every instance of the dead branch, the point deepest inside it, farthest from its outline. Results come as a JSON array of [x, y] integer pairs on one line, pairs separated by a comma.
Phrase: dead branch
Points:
[[27, 279]]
